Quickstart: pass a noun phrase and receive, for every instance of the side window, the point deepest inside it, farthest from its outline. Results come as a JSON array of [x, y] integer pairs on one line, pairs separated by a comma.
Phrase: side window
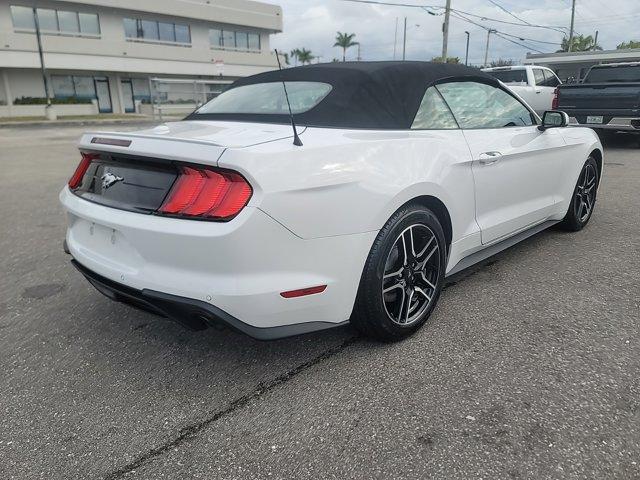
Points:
[[538, 76], [433, 113], [478, 105], [550, 80]]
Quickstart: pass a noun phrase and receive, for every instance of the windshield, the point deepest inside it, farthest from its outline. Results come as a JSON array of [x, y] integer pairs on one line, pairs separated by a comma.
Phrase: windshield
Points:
[[630, 73], [510, 76], [268, 98]]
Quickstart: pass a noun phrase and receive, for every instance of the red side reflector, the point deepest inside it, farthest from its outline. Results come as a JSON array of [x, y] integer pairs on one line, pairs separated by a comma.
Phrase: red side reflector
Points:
[[554, 101], [207, 193], [81, 169], [304, 291]]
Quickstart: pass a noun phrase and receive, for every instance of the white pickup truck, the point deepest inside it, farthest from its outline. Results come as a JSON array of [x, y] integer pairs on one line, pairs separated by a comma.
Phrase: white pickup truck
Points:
[[535, 85]]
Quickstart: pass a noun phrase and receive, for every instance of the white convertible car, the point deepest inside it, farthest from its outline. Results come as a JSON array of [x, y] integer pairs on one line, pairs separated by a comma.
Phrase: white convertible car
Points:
[[403, 173]]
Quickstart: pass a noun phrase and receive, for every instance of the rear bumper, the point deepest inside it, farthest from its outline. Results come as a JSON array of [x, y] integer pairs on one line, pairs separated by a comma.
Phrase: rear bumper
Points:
[[630, 124], [193, 314], [238, 268]]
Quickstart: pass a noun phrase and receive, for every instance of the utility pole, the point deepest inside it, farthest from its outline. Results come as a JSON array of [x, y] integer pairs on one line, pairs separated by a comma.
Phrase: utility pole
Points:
[[41, 54], [595, 41], [359, 57], [486, 50], [573, 16], [445, 31], [466, 56], [404, 40], [395, 40]]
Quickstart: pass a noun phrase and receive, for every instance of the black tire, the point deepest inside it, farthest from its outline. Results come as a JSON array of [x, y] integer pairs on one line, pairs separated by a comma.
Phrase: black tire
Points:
[[379, 315], [584, 196]]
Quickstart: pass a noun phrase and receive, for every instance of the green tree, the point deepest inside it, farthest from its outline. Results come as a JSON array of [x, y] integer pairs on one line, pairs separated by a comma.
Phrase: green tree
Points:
[[449, 59], [629, 44], [295, 55], [344, 41], [580, 43], [304, 56], [503, 62]]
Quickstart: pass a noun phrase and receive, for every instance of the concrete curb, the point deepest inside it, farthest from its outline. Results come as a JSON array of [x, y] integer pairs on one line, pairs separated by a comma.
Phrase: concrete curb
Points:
[[64, 123]]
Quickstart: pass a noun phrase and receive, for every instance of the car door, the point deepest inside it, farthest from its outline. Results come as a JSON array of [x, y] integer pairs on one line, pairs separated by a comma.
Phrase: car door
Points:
[[515, 166], [551, 81], [540, 92]]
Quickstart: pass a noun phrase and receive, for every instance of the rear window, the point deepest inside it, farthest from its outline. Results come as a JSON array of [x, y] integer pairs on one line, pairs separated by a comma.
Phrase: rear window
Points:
[[268, 98], [510, 76], [630, 73]]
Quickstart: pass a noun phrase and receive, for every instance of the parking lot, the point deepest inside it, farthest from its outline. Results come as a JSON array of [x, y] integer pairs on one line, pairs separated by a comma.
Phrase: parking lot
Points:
[[529, 367]]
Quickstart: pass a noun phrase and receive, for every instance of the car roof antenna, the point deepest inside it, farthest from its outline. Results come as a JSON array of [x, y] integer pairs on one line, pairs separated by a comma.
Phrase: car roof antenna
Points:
[[296, 139]]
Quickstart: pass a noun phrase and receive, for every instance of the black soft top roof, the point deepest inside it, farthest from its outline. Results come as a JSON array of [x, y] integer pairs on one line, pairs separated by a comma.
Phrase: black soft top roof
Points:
[[378, 95]]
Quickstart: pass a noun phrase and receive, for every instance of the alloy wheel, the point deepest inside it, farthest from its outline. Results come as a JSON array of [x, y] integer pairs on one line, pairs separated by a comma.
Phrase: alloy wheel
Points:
[[411, 272], [585, 193]]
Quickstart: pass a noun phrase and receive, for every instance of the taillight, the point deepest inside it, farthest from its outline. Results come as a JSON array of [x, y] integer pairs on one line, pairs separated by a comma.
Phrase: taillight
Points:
[[199, 192], [554, 102], [81, 169]]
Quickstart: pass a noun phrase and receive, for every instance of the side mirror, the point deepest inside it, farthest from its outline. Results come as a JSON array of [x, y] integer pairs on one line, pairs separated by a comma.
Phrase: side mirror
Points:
[[553, 119]]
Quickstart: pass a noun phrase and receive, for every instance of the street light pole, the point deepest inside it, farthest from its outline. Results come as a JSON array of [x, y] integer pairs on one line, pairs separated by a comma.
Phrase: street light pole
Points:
[[42, 69], [445, 31], [573, 15], [466, 56], [404, 40], [486, 50], [395, 40]]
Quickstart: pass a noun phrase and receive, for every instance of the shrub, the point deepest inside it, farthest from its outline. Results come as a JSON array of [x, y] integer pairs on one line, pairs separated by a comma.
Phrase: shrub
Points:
[[54, 101]]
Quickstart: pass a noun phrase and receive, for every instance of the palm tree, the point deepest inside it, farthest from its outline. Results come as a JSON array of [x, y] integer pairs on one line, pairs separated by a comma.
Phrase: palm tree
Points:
[[580, 43], [305, 56], [629, 44], [295, 54], [344, 41]]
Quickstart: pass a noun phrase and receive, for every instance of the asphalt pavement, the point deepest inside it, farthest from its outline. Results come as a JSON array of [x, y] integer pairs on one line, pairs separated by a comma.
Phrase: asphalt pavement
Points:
[[529, 367]]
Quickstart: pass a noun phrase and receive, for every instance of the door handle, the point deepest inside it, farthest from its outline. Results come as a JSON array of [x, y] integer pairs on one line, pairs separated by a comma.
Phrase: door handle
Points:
[[489, 158]]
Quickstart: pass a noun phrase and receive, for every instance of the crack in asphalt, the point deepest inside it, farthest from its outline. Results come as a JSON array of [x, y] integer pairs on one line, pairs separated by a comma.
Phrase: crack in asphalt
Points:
[[191, 431]]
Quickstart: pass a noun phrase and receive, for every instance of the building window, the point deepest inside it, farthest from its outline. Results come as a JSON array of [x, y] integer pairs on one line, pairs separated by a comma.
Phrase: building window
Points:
[[254, 41], [136, 29], [234, 40], [182, 33], [56, 22], [22, 18], [73, 86], [68, 21], [47, 20], [89, 23]]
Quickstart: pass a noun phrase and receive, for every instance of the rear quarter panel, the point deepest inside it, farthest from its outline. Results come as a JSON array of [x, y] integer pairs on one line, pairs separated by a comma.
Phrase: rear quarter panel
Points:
[[351, 181]]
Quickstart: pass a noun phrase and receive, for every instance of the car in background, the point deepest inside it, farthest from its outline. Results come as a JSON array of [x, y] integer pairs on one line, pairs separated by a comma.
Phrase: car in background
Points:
[[608, 98], [534, 84], [402, 173]]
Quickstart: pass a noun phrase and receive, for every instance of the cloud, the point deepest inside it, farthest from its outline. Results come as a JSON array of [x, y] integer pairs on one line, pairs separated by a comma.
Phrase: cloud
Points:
[[313, 24]]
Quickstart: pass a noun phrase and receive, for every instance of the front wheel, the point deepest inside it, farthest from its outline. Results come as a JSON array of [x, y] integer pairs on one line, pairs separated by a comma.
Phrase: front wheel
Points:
[[403, 275], [584, 198]]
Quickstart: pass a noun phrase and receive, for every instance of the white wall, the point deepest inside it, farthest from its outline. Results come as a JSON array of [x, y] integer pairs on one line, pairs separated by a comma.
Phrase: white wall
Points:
[[38, 110], [25, 83], [113, 52]]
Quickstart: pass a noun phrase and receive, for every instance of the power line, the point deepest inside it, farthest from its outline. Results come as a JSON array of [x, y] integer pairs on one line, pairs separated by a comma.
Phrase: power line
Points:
[[497, 33], [558, 28], [507, 11]]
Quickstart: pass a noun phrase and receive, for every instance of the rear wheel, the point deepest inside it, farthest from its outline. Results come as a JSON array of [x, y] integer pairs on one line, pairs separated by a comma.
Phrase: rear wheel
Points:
[[584, 198], [403, 275]]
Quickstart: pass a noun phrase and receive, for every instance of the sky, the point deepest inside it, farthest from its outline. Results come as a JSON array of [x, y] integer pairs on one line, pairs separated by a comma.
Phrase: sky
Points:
[[313, 24]]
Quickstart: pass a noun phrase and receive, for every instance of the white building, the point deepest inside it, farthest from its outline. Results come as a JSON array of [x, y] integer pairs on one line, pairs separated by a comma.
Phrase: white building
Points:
[[103, 53], [575, 65]]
